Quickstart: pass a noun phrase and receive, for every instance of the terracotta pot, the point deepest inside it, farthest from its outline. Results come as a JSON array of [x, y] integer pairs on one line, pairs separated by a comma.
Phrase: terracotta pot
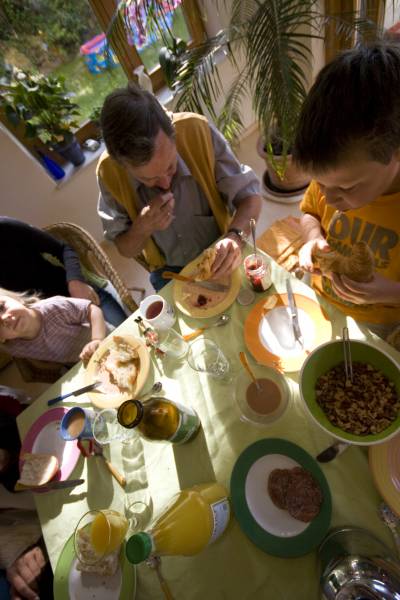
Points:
[[294, 179]]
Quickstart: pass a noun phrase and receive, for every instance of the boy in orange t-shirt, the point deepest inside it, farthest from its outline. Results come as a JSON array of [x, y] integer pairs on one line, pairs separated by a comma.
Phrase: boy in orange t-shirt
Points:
[[349, 141]]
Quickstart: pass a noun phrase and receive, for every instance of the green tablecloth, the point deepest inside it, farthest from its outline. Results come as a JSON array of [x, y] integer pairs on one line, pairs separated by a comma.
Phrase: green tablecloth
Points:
[[233, 568]]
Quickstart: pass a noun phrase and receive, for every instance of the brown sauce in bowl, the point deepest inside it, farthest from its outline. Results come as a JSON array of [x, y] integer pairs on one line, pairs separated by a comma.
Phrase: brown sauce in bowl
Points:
[[265, 400]]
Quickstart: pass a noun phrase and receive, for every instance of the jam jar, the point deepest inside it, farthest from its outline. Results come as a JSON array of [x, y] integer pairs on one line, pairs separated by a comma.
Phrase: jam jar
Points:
[[258, 272]]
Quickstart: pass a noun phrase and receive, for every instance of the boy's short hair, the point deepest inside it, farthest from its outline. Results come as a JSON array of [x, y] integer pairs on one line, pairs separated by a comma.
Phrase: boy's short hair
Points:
[[353, 105], [130, 120]]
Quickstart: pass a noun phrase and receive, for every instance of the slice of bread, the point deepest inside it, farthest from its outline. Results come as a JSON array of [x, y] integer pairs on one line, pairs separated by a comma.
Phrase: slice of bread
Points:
[[37, 470]]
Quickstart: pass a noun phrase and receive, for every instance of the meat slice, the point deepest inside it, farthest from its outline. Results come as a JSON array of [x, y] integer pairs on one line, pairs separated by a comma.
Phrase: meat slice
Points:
[[296, 491], [304, 496], [278, 482]]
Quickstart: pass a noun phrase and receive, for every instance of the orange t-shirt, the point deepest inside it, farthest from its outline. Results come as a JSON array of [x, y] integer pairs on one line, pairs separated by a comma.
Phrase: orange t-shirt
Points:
[[377, 224]]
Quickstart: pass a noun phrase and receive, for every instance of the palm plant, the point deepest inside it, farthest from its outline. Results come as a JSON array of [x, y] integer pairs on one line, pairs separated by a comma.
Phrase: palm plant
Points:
[[269, 44]]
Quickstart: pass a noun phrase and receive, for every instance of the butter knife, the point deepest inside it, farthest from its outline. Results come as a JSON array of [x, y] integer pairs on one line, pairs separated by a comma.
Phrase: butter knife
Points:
[[57, 485], [82, 390], [332, 451], [294, 315], [208, 285], [212, 285]]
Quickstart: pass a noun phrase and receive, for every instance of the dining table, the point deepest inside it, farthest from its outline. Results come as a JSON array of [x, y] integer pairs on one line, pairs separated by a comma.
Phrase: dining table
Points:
[[232, 568]]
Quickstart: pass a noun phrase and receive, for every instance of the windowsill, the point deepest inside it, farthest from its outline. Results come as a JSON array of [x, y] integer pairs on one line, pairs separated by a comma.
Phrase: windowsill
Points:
[[71, 171]]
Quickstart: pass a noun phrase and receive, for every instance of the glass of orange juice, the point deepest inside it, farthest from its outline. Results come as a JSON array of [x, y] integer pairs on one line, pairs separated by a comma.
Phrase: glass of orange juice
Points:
[[98, 533]]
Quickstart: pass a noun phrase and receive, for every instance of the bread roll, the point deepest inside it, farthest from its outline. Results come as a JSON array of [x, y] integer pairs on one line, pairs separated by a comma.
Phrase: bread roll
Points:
[[37, 470], [359, 266], [204, 265]]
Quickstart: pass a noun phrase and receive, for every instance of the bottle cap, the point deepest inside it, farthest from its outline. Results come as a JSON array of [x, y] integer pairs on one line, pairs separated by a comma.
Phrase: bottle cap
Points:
[[138, 547]]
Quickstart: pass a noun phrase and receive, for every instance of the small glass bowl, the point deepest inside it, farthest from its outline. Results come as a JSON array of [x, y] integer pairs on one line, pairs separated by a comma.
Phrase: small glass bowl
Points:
[[249, 414]]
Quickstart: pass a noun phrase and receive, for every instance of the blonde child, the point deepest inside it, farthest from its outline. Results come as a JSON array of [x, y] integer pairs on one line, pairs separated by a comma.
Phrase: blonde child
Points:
[[57, 329]]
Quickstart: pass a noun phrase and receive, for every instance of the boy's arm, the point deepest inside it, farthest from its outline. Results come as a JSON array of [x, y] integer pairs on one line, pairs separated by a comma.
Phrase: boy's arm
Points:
[[313, 237], [98, 329]]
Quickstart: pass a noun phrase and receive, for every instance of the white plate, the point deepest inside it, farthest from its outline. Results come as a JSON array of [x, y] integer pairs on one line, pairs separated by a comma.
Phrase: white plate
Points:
[[90, 586], [272, 519], [276, 332]]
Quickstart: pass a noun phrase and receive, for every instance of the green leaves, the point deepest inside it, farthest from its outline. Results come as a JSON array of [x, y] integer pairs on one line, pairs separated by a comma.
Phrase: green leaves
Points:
[[42, 104]]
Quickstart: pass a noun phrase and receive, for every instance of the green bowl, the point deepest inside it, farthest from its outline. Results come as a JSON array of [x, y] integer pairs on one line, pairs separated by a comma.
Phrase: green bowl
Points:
[[329, 355]]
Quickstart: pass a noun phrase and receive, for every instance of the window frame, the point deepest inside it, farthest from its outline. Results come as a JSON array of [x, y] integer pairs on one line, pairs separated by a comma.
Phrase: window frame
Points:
[[129, 59], [127, 54]]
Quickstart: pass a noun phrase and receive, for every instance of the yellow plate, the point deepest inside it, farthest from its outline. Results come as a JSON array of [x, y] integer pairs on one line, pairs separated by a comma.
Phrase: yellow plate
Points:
[[114, 400], [384, 462], [205, 313], [269, 337]]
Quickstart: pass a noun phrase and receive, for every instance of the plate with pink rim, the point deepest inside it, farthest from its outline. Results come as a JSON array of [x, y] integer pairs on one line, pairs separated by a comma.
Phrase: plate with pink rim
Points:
[[44, 437]]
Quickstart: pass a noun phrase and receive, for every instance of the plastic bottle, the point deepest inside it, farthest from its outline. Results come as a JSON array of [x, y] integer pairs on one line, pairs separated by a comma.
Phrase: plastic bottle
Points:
[[143, 79], [195, 518], [51, 166], [160, 419]]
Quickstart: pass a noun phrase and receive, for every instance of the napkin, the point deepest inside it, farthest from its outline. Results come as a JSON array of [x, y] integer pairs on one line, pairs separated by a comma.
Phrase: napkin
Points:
[[282, 242]]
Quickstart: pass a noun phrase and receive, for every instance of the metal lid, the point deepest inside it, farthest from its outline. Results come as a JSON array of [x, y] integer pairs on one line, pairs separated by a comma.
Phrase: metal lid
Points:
[[356, 565]]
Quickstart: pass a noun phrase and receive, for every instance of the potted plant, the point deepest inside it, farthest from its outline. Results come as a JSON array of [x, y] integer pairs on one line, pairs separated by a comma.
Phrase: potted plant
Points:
[[45, 108], [269, 44]]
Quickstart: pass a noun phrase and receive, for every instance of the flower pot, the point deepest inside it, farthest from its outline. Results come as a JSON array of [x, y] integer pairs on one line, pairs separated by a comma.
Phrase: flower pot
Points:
[[294, 180], [71, 151]]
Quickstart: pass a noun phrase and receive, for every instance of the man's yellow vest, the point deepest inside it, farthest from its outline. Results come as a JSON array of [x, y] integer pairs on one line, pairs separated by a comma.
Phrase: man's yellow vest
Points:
[[194, 145]]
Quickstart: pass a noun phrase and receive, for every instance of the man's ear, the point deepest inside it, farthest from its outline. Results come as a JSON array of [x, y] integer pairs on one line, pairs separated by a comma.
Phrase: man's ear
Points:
[[396, 154]]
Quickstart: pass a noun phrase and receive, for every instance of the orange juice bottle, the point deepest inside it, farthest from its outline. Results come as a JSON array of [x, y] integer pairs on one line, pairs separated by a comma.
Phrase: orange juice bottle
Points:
[[195, 518], [107, 531]]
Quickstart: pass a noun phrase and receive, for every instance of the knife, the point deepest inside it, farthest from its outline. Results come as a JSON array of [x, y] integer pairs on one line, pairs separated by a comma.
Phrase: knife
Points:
[[208, 285], [57, 485], [212, 285], [332, 451], [81, 390], [294, 315]]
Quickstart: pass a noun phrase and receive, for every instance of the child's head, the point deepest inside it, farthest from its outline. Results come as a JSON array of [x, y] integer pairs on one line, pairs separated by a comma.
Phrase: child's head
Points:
[[16, 314], [349, 132]]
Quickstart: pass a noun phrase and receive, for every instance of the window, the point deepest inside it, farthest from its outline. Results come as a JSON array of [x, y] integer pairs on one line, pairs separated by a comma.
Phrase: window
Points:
[[66, 38]]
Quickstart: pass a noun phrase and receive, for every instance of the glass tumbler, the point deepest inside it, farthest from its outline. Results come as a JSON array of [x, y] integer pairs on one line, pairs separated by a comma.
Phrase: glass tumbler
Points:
[[204, 356]]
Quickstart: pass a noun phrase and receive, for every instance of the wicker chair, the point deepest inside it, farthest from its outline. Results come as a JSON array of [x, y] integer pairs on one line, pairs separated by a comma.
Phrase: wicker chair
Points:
[[94, 259]]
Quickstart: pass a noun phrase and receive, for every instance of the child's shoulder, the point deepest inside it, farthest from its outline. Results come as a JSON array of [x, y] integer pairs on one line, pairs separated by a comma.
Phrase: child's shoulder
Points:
[[61, 302]]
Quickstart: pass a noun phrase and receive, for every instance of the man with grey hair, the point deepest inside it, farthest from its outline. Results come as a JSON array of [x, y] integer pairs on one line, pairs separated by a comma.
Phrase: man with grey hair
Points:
[[170, 186]]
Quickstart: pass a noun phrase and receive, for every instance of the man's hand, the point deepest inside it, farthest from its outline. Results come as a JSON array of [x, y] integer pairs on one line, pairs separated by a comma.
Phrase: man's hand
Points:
[[306, 252], [228, 258], [378, 291], [24, 573], [80, 289], [158, 215], [88, 350]]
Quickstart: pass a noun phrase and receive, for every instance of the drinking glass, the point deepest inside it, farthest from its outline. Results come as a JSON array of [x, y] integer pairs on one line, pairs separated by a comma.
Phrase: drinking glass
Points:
[[138, 510], [107, 429], [204, 356], [98, 533], [172, 343]]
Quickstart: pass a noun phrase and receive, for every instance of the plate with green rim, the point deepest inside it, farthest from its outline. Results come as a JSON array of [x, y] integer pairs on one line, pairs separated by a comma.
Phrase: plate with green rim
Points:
[[270, 528], [71, 584]]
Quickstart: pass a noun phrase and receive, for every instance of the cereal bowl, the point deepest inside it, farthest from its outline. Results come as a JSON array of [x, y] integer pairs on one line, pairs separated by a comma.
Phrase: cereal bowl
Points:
[[330, 355]]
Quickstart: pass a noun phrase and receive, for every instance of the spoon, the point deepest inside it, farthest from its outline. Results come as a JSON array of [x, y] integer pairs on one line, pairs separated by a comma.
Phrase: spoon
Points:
[[245, 363], [392, 521], [154, 562], [222, 320], [253, 235]]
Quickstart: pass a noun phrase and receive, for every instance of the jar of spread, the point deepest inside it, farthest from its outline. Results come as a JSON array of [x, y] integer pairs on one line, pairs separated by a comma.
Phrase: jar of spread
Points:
[[258, 272]]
